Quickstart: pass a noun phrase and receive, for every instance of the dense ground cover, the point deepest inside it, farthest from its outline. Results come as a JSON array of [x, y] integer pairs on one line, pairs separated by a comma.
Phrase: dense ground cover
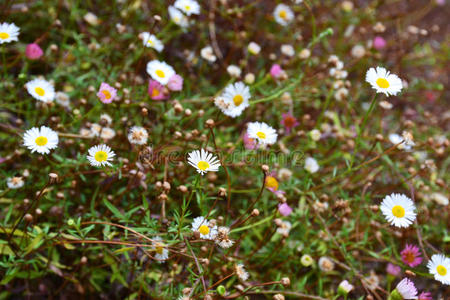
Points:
[[224, 149]]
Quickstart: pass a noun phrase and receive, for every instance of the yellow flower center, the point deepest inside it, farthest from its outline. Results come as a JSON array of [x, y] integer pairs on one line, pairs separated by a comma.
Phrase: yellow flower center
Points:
[[283, 14], [398, 211], [159, 250], [107, 94], [150, 42], [261, 135], [203, 165], [40, 91], [41, 141], [101, 156], [238, 100], [383, 83], [203, 229], [160, 73], [4, 35], [271, 182], [441, 270], [187, 7], [155, 93]]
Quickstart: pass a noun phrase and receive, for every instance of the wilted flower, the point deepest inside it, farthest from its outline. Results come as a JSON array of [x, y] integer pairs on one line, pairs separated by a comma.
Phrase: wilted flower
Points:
[[33, 51]]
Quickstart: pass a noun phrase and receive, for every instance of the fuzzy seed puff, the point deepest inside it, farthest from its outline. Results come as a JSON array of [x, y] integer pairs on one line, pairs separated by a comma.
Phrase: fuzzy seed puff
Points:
[[40, 140], [240, 272], [161, 252], [222, 238], [100, 155], [398, 210], [235, 99], [41, 90], [8, 33], [203, 226], [151, 41], [283, 14], [189, 7], [262, 132], [203, 161], [15, 182], [383, 82], [439, 266], [138, 135], [160, 71]]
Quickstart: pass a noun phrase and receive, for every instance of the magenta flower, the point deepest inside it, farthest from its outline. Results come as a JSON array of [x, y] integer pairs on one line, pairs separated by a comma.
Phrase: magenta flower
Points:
[[175, 83], [156, 90], [249, 143], [276, 71], [379, 43], [289, 122], [393, 269], [411, 255], [33, 51], [425, 296], [106, 93], [284, 209]]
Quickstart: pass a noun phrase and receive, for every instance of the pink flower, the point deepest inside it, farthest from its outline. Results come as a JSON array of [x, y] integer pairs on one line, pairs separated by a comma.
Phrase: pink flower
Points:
[[106, 93], [379, 43], [407, 289], [411, 255], [393, 269], [284, 209], [156, 90], [33, 51], [175, 83], [276, 71], [289, 121], [249, 143], [425, 296]]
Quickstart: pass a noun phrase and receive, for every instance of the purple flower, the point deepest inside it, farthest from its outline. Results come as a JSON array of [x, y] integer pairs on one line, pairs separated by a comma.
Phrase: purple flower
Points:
[[407, 289], [106, 93], [156, 90], [284, 209], [33, 51], [379, 43], [411, 255], [249, 143], [276, 71], [393, 269], [289, 122], [425, 296], [175, 83]]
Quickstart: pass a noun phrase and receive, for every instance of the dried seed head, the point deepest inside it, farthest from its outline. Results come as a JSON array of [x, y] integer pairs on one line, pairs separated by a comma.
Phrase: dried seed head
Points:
[[285, 281], [255, 212], [210, 123]]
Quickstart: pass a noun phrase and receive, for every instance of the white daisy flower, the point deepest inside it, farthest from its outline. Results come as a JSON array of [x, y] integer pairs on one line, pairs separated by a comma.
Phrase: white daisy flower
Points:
[[150, 40], [396, 139], [283, 14], [253, 48], [138, 135], [439, 266], [160, 248], [208, 54], [15, 182], [100, 155], [189, 7], [160, 71], [398, 209], [236, 98], [240, 272], [262, 132], [177, 17], [311, 165], [41, 90], [207, 231], [203, 161], [384, 82], [234, 71], [8, 33], [40, 140]]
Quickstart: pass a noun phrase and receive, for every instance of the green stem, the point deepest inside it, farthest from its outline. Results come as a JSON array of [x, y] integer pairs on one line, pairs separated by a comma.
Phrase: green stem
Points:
[[361, 129], [324, 109]]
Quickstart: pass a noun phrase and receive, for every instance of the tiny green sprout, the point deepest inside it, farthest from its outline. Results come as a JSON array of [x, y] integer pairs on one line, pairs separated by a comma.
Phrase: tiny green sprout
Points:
[[221, 290]]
